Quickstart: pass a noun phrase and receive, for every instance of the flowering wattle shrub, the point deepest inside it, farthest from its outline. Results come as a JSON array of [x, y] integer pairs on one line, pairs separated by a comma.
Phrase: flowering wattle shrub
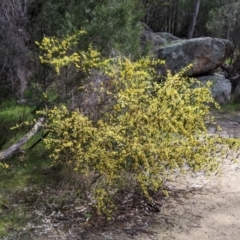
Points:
[[151, 128]]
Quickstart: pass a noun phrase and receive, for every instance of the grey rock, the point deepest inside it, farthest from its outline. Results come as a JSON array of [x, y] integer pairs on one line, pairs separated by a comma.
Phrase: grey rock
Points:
[[168, 37], [151, 39], [206, 54], [221, 89]]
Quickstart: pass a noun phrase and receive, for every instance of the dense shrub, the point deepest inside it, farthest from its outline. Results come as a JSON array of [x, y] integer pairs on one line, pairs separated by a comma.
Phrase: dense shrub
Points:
[[148, 129]]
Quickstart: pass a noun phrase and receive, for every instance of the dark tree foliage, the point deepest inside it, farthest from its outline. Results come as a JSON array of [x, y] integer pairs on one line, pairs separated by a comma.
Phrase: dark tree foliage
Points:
[[110, 24]]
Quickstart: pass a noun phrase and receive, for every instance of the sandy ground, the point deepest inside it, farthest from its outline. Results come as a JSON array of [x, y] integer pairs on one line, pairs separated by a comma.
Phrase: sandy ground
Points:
[[209, 211]]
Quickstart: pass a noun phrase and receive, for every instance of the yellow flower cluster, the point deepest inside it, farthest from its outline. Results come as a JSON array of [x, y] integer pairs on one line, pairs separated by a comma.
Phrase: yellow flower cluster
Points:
[[4, 165], [59, 53]]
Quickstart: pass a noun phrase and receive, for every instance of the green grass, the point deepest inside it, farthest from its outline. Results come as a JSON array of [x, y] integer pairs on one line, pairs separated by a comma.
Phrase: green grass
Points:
[[11, 114], [228, 60], [10, 111], [230, 107]]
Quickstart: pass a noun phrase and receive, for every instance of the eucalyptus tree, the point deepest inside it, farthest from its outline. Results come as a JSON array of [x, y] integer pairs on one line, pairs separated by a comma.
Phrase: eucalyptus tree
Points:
[[194, 18]]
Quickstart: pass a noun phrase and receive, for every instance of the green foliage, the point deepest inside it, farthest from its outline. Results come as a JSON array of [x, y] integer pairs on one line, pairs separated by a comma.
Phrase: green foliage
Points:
[[230, 107], [223, 20], [149, 129], [109, 24], [17, 173], [12, 113], [20, 186]]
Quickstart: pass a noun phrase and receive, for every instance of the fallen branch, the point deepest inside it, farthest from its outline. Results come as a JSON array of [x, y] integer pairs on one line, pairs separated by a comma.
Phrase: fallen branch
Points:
[[39, 140], [15, 147]]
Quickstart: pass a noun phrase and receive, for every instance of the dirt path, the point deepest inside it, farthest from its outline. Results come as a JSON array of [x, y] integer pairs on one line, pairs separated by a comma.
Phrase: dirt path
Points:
[[209, 211]]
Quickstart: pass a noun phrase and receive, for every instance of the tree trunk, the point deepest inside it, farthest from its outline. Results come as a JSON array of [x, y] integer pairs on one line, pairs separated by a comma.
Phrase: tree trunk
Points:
[[175, 19], [194, 19], [15, 147]]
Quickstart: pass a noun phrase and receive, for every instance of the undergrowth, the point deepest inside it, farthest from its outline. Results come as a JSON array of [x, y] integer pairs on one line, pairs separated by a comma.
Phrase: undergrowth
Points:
[[22, 179]]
